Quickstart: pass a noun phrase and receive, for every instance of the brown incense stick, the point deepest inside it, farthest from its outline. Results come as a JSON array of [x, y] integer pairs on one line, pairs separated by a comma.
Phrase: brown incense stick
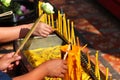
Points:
[[6, 14]]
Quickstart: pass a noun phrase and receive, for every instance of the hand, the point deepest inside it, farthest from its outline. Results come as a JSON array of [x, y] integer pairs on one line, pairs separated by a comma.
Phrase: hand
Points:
[[43, 30], [56, 68], [6, 61]]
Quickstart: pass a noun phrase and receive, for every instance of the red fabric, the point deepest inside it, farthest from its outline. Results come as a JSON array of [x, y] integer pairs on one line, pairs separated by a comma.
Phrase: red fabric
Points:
[[112, 5]]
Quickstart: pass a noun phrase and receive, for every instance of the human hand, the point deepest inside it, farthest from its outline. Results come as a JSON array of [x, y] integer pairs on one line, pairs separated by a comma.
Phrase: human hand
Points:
[[6, 61], [43, 30], [56, 68]]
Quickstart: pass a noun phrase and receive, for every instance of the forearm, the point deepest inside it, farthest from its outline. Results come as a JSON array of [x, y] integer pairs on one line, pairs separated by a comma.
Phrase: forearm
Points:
[[13, 33], [37, 74]]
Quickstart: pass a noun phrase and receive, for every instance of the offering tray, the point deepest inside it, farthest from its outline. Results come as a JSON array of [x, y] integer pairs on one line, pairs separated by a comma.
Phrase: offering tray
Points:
[[39, 42]]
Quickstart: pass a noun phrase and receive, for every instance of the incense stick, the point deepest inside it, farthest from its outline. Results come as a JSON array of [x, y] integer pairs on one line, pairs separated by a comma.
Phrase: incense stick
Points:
[[6, 13], [65, 56], [29, 34]]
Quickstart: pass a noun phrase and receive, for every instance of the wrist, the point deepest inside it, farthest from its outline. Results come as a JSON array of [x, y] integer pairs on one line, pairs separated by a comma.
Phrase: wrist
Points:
[[25, 29]]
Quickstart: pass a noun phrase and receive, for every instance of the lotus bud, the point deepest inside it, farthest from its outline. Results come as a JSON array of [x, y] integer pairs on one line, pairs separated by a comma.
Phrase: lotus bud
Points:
[[6, 2], [47, 8]]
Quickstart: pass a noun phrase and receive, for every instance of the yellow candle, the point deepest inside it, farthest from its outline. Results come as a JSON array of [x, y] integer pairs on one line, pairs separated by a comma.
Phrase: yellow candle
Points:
[[45, 18], [97, 73], [68, 29], [89, 64], [57, 25], [42, 18], [96, 60], [39, 8], [73, 34], [40, 11], [49, 22], [52, 21], [107, 71], [61, 24], [64, 27], [58, 20], [77, 41]]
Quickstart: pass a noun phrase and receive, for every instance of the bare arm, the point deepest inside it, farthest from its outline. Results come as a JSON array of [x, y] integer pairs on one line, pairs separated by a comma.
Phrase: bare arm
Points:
[[51, 68], [36, 74], [13, 33]]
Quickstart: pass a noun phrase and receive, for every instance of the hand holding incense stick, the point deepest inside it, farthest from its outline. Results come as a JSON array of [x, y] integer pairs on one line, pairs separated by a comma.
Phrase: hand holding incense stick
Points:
[[47, 8]]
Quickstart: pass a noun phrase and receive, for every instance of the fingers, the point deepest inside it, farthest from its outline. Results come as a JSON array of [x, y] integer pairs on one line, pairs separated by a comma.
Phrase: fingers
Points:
[[43, 30], [17, 62], [9, 55], [10, 67], [45, 33], [61, 76], [4, 70], [63, 69], [64, 62], [14, 58]]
